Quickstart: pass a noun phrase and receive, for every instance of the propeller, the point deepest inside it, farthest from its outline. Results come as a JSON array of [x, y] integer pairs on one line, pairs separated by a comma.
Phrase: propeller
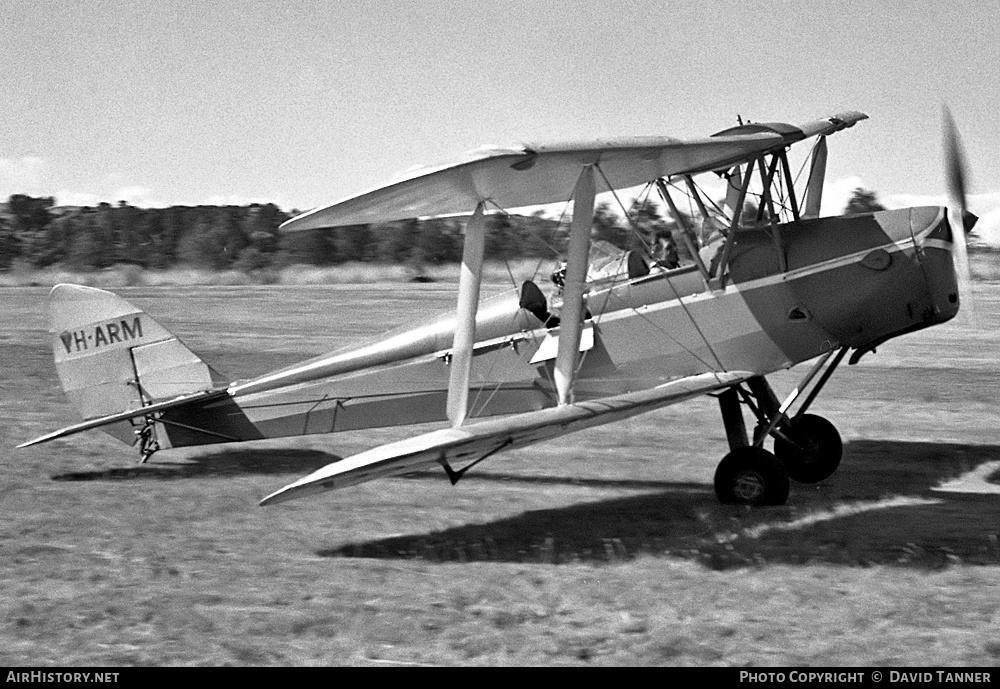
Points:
[[960, 219]]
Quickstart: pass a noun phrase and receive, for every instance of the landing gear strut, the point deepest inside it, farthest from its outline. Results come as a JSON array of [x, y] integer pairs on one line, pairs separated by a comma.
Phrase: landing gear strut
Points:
[[807, 448]]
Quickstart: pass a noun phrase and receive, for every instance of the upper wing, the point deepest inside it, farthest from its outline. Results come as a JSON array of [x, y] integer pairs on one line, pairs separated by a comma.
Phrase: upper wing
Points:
[[476, 441], [535, 175]]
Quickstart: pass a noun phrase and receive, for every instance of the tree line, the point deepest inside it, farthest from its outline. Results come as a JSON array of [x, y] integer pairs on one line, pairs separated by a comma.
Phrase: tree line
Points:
[[35, 233]]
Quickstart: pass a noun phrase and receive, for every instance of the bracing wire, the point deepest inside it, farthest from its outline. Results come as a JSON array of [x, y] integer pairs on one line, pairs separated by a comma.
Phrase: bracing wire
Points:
[[548, 244], [621, 205], [802, 168], [673, 339], [510, 273], [506, 259]]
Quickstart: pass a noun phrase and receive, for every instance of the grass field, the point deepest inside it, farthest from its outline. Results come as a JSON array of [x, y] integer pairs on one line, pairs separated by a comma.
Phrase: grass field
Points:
[[607, 547]]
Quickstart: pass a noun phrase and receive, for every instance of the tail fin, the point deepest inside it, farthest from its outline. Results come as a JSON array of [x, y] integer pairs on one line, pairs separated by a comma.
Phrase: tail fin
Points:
[[112, 358]]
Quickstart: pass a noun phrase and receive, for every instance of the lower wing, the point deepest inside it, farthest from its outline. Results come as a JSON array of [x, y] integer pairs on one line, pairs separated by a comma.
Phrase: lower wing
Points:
[[474, 442]]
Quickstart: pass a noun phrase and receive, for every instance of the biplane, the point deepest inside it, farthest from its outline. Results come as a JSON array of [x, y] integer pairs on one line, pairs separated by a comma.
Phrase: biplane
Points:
[[768, 285]]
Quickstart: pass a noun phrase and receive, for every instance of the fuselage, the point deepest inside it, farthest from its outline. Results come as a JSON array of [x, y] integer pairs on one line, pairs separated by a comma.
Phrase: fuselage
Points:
[[789, 293]]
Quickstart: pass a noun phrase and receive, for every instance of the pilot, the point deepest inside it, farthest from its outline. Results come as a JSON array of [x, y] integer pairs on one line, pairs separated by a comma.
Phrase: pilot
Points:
[[711, 231], [559, 280], [713, 241], [559, 276], [665, 253]]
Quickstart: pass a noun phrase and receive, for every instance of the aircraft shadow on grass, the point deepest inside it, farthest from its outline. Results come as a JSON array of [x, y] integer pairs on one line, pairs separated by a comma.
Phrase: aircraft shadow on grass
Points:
[[235, 462], [880, 508]]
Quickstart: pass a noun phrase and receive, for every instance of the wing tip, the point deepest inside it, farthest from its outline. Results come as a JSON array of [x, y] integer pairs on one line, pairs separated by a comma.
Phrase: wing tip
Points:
[[54, 435], [308, 485], [280, 495], [269, 500]]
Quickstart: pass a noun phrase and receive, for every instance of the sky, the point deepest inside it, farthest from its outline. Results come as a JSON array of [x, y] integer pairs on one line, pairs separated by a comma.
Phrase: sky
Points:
[[304, 103]]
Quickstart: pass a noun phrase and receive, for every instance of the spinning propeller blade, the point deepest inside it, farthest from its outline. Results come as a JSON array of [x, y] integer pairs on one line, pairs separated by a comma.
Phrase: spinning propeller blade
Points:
[[958, 213]]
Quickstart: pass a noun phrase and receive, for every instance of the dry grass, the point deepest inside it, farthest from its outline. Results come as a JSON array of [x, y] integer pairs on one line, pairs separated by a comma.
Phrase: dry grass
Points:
[[606, 548]]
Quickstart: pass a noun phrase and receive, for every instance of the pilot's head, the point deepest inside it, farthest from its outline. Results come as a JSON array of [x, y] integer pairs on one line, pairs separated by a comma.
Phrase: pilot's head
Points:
[[559, 274]]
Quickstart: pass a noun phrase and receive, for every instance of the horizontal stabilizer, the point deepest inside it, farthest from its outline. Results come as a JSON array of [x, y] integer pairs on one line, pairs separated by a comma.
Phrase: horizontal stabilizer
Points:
[[472, 442], [148, 410]]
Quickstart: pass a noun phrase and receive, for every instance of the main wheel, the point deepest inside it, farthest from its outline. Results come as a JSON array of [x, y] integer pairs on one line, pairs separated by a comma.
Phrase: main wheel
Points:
[[751, 476], [813, 449]]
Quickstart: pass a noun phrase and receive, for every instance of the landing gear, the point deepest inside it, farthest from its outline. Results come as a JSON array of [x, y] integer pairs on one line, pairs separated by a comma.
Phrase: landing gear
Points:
[[751, 476], [809, 447]]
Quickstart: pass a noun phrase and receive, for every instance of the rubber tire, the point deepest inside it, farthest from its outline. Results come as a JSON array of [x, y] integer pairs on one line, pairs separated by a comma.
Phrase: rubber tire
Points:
[[824, 449], [751, 476]]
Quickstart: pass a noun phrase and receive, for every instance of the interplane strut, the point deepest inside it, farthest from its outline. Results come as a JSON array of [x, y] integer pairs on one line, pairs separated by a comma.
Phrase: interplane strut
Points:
[[571, 324], [469, 281]]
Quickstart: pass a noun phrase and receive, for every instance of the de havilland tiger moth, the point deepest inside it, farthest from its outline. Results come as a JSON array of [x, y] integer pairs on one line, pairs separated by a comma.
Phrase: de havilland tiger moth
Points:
[[768, 287]]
